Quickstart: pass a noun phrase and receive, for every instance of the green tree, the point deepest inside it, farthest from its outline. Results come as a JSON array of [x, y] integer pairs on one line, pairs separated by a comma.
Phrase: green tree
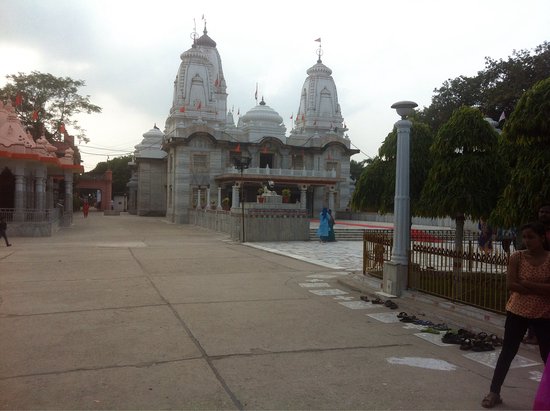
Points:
[[371, 190], [356, 168], [495, 89], [527, 135], [48, 104], [467, 173], [121, 172], [375, 189]]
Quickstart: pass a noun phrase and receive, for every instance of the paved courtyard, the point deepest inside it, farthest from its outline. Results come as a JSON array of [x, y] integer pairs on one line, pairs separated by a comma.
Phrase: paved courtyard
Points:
[[137, 313]]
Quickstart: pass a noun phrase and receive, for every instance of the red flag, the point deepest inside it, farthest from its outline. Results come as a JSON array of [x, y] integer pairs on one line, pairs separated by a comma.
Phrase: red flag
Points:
[[238, 149], [182, 109], [18, 99], [62, 128], [35, 115]]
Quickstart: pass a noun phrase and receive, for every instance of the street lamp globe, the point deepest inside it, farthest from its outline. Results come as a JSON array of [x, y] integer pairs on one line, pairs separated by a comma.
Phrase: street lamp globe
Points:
[[404, 108]]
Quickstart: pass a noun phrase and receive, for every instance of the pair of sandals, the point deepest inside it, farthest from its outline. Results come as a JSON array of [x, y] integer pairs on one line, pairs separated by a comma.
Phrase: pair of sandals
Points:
[[388, 303], [476, 345], [406, 318]]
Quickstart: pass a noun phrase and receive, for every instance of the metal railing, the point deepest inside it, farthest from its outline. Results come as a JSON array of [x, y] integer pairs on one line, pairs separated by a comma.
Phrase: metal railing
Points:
[[283, 172], [468, 276], [30, 215]]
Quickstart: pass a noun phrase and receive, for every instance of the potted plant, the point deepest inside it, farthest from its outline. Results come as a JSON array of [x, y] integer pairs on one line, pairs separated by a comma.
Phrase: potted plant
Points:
[[260, 196], [286, 195]]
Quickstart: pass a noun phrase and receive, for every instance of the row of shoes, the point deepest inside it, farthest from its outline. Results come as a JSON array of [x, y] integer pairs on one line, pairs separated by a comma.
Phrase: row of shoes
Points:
[[387, 303], [471, 341], [431, 327]]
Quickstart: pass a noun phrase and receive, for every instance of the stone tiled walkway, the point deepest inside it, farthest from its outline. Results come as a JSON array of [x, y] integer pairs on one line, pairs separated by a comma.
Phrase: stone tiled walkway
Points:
[[345, 255]]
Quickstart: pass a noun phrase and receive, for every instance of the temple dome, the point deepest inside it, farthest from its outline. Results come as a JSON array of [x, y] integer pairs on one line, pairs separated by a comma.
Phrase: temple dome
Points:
[[205, 40], [150, 145], [262, 113]]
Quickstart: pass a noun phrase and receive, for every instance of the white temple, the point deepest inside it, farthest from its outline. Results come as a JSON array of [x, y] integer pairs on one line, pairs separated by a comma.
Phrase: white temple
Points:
[[192, 163]]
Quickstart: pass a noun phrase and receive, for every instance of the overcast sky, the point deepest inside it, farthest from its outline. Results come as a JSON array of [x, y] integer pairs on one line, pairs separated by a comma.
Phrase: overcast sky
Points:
[[380, 52]]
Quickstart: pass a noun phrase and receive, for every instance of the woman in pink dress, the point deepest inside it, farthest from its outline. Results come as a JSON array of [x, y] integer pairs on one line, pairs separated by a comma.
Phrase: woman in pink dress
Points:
[[528, 279]]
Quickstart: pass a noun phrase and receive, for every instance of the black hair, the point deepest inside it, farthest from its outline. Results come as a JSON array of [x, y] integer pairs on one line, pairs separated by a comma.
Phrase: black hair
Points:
[[536, 226]]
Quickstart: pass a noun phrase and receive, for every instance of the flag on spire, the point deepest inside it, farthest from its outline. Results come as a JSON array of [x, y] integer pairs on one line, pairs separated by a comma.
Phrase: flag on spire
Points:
[[318, 40], [256, 93]]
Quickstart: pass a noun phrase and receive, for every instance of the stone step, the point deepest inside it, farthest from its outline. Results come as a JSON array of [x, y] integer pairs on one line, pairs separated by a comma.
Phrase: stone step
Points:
[[343, 234]]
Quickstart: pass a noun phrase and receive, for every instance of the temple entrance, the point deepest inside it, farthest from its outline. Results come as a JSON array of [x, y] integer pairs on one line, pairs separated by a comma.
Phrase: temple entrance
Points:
[[7, 189], [266, 159]]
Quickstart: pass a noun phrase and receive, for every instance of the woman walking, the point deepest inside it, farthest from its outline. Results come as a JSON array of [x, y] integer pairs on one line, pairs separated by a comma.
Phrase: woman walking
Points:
[[323, 229], [528, 279]]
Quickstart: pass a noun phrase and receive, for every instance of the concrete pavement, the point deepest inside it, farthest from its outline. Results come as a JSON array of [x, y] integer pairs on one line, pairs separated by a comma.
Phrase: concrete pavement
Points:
[[125, 312]]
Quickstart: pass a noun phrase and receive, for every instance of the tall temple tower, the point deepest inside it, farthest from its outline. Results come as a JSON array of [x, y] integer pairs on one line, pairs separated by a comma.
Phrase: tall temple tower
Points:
[[202, 143]]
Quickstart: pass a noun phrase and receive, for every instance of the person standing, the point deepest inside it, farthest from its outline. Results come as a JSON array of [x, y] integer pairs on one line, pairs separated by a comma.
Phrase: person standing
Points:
[[331, 222], [544, 218], [528, 280], [323, 229], [3, 229], [485, 240], [86, 209]]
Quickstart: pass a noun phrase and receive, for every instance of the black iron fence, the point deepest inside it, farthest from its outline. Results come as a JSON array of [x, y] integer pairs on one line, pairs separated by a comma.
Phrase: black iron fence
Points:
[[437, 266]]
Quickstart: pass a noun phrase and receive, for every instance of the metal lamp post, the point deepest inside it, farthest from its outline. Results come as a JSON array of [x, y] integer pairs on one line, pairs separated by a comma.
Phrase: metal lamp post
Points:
[[242, 164], [395, 271]]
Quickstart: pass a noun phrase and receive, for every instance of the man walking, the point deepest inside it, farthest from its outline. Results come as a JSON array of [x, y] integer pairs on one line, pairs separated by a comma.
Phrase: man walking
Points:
[[3, 228]]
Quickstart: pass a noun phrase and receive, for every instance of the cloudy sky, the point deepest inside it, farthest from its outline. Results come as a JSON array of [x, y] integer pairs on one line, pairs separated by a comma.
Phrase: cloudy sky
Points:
[[380, 52]]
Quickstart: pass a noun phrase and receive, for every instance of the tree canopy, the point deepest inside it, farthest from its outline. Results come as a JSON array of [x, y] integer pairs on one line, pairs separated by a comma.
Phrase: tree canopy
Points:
[[375, 189], [467, 174], [527, 136], [494, 90], [47, 104]]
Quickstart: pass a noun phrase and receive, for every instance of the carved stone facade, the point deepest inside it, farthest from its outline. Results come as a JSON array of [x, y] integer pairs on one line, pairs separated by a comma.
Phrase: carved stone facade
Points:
[[201, 145]]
